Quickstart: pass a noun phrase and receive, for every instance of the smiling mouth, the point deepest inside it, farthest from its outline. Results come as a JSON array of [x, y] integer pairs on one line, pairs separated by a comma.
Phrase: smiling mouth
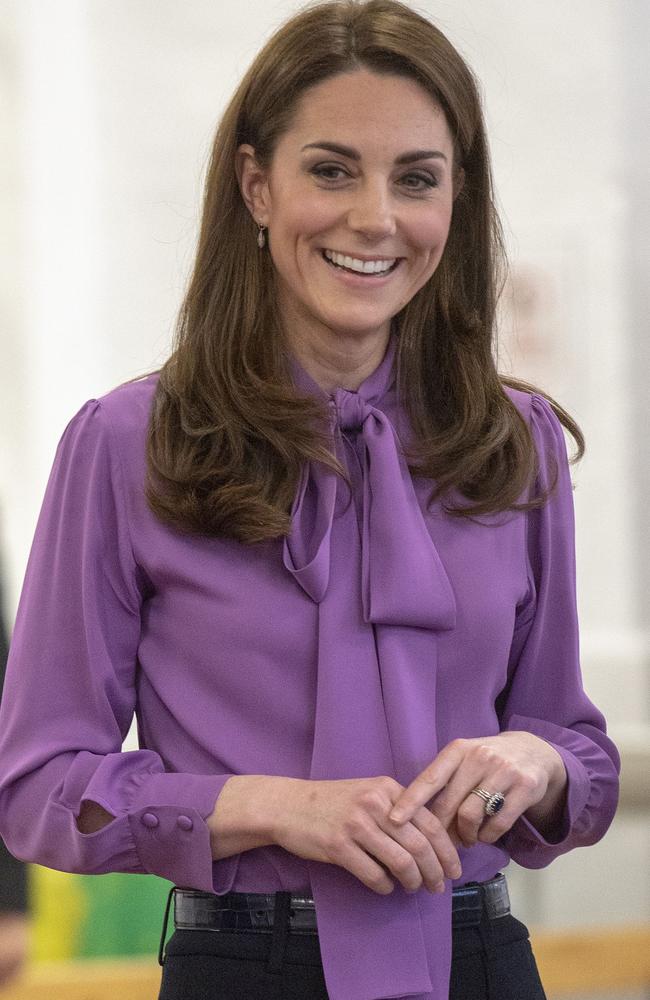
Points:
[[361, 274]]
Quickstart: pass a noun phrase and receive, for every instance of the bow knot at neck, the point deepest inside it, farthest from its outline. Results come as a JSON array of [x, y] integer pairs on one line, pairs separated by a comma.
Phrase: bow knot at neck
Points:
[[403, 580], [351, 409]]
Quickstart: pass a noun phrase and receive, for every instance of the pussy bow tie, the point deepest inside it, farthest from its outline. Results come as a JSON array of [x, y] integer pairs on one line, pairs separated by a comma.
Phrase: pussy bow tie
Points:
[[385, 574], [403, 579]]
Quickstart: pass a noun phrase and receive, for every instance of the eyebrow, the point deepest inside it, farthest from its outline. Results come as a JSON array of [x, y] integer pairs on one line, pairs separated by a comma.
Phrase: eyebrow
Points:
[[352, 154]]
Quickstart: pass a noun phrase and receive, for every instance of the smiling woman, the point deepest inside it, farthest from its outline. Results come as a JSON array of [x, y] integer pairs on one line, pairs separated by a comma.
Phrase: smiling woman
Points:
[[266, 552]]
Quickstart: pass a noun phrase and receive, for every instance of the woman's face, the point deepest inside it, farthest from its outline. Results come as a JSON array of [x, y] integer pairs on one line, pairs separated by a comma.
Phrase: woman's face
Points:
[[357, 201]]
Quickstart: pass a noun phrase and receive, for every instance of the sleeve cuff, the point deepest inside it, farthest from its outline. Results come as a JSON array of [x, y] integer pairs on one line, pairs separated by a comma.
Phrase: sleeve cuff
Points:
[[578, 783], [168, 821]]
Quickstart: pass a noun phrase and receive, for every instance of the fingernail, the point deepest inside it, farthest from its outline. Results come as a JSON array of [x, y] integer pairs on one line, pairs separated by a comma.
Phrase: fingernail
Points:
[[456, 871], [440, 887], [397, 816]]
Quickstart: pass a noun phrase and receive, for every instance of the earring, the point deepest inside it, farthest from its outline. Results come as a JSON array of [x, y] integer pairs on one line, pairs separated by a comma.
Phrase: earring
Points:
[[261, 239]]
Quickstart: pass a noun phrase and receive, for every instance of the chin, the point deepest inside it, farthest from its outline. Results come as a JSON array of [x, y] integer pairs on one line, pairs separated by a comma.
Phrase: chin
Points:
[[359, 316], [360, 326]]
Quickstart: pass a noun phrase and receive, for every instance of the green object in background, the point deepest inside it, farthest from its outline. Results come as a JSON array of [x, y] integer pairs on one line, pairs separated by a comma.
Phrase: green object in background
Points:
[[123, 916], [88, 916]]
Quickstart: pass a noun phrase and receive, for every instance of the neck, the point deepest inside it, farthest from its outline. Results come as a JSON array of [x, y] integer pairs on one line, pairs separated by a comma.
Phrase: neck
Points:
[[339, 362]]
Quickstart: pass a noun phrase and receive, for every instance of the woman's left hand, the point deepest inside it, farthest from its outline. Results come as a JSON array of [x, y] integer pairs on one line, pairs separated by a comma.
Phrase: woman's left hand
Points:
[[527, 770]]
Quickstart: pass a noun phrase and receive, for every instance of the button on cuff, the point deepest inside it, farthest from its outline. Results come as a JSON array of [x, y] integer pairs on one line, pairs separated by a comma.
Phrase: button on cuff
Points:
[[150, 820], [185, 823]]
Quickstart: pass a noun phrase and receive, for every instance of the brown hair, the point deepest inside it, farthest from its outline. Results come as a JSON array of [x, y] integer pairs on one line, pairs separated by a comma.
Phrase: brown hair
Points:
[[229, 432]]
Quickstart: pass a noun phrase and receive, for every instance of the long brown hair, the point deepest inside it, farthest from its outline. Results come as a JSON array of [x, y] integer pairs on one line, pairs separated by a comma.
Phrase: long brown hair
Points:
[[229, 432]]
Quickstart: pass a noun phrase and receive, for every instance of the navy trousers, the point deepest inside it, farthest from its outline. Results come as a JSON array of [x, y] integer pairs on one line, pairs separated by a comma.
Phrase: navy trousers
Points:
[[492, 961]]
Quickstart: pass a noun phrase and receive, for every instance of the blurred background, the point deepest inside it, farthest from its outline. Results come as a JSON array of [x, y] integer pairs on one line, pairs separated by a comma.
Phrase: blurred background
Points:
[[107, 110]]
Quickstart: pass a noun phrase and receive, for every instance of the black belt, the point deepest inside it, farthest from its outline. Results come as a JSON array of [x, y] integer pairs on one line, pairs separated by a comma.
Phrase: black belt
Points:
[[252, 911]]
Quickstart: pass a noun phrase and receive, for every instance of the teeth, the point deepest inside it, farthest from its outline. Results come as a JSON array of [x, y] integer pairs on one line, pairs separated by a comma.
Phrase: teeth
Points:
[[364, 266]]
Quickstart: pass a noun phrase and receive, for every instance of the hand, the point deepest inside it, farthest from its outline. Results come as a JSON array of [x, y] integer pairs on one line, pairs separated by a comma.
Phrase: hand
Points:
[[346, 823], [14, 941], [523, 767]]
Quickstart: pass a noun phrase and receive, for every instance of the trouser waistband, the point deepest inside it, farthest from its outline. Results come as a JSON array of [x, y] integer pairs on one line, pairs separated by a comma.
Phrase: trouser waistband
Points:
[[251, 911]]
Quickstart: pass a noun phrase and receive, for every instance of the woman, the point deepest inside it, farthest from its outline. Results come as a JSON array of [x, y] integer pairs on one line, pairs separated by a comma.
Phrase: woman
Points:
[[326, 555]]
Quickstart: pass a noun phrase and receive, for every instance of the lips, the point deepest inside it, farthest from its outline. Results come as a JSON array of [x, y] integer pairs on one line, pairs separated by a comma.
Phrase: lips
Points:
[[361, 274]]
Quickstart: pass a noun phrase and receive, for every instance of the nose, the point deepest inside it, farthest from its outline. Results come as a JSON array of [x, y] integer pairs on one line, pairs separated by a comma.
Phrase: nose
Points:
[[372, 213]]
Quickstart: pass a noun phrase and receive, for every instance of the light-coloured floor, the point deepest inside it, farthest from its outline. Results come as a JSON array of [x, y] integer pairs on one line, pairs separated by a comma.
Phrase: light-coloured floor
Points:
[[634, 995]]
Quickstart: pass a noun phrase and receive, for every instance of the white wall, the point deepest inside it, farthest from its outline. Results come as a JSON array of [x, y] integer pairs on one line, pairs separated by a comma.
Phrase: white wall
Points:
[[107, 112]]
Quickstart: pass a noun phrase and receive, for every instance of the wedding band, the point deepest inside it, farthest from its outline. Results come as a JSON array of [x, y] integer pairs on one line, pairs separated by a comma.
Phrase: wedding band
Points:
[[493, 800]]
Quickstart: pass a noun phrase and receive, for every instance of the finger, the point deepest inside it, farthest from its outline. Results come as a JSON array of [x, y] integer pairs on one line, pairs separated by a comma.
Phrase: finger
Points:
[[521, 789], [440, 841], [471, 814], [366, 868], [431, 856], [517, 801], [452, 832], [423, 787], [398, 849], [454, 836], [470, 774], [483, 766], [470, 818]]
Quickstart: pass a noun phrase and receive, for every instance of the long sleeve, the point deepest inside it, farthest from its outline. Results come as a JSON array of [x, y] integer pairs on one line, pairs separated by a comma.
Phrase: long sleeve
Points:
[[545, 694], [70, 691]]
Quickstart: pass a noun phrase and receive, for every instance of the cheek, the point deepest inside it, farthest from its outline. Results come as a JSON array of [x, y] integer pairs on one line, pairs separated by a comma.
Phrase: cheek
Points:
[[432, 231], [303, 214], [430, 235]]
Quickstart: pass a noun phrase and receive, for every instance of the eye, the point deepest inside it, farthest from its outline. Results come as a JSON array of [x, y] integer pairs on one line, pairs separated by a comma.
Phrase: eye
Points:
[[425, 179], [321, 171]]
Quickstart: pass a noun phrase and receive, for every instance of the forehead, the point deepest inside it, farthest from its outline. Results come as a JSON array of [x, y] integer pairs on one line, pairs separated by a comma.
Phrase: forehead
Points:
[[361, 103]]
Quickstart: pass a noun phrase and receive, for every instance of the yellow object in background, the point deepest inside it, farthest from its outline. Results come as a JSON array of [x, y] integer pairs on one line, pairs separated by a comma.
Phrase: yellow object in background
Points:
[[59, 908], [92, 916]]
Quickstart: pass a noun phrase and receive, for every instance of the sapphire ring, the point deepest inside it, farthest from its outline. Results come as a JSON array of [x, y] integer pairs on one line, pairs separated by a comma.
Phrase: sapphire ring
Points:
[[493, 800]]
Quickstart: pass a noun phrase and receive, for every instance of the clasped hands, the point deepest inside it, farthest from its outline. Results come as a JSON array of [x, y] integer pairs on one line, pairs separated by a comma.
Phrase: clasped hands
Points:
[[527, 770], [349, 822]]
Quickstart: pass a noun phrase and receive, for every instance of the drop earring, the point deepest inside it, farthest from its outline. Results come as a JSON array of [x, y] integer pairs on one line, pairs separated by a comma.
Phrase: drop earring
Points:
[[261, 238]]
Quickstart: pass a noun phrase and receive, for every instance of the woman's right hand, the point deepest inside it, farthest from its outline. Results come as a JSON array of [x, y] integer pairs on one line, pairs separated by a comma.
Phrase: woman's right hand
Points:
[[345, 822]]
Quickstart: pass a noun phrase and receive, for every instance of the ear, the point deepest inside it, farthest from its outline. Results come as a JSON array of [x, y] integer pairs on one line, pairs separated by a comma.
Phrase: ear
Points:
[[459, 182], [253, 184]]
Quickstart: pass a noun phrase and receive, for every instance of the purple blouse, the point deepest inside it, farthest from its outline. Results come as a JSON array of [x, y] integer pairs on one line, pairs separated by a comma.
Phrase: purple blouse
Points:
[[361, 644]]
